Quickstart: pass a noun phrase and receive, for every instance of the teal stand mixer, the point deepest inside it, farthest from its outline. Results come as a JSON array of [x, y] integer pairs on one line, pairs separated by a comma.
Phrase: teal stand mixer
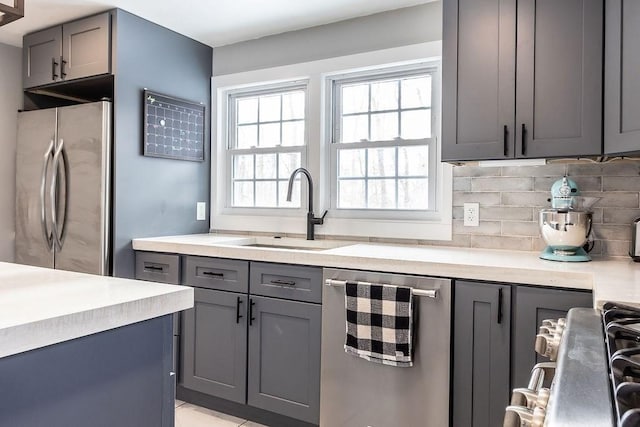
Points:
[[566, 227]]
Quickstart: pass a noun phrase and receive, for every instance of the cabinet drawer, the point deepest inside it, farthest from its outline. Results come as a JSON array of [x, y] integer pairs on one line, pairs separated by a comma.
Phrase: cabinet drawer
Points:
[[286, 281], [216, 273], [157, 267]]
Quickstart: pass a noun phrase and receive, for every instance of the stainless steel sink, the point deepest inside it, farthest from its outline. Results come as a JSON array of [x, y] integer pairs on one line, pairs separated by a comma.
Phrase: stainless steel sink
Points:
[[289, 243], [265, 245]]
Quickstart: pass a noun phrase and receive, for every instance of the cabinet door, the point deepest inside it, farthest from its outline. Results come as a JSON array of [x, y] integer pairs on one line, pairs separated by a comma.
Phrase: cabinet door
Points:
[[41, 57], [86, 47], [481, 353], [532, 306], [622, 80], [478, 75], [284, 358], [559, 96], [215, 344]]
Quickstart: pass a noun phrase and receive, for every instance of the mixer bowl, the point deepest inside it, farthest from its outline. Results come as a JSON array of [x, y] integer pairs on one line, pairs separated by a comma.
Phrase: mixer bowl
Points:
[[564, 231]]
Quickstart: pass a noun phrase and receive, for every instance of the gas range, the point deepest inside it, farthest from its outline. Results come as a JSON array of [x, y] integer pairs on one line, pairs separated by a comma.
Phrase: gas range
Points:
[[592, 377]]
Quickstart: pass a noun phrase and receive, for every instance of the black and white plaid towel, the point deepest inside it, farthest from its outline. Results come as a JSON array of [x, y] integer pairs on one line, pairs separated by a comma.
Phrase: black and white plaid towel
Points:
[[379, 325]]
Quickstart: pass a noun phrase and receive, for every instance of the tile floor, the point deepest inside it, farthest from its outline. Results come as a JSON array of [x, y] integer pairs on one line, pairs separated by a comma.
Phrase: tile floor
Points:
[[188, 415]]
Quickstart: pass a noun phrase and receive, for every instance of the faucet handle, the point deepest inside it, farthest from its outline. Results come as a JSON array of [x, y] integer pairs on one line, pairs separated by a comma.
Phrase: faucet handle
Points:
[[319, 220]]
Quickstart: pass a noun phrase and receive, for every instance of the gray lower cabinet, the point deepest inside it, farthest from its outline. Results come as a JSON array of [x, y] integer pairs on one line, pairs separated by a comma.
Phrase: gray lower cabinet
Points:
[[522, 78], [532, 305], [259, 344], [215, 344], [495, 326], [622, 80], [284, 357], [481, 348], [77, 49]]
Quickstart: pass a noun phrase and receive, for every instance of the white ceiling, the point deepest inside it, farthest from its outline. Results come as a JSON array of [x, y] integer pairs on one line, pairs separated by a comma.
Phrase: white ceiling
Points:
[[213, 22]]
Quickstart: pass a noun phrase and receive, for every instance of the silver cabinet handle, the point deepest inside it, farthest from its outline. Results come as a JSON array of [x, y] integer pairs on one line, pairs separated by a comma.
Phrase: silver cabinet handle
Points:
[[59, 233], [48, 237]]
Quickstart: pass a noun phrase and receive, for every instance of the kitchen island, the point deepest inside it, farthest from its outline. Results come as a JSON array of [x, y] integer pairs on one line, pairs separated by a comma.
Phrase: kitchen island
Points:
[[77, 349]]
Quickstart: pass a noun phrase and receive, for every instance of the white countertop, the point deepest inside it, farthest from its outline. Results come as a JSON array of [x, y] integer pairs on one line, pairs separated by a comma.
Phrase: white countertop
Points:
[[41, 306], [612, 279]]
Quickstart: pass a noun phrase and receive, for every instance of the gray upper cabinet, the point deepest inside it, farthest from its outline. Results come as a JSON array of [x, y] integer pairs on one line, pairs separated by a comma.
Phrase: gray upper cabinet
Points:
[[41, 55], [550, 107], [284, 361], [215, 344], [481, 345], [622, 80], [478, 70], [70, 51], [559, 78]]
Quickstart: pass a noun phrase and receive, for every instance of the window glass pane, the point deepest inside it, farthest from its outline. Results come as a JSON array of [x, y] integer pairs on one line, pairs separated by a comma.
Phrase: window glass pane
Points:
[[247, 136], [355, 128], [288, 162], [293, 105], [351, 163], [413, 193], [265, 166], [266, 194], [416, 124], [416, 92], [355, 99], [270, 135], [384, 96], [247, 110], [381, 194], [351, 194], [413, 161], [382, 161], [292, 133], [269, 108], [243, 167], [295, 194], [384, 126], [243, 193]]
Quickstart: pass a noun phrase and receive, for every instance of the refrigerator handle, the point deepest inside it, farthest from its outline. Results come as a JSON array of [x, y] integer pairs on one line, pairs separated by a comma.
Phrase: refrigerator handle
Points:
[[48, 236], [59, 232]]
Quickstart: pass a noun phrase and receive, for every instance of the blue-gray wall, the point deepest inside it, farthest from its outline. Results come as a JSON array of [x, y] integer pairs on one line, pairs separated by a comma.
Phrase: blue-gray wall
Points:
[[10, 102], [154, 196], [400, 27]]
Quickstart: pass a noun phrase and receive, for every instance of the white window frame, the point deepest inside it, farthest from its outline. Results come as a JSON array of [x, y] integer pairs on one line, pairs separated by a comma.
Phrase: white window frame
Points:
[[231, 96], [334, 82], [293, 221]]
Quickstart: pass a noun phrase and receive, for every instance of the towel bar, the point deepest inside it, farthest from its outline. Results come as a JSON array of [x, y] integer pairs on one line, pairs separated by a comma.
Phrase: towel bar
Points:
[[431, 293]]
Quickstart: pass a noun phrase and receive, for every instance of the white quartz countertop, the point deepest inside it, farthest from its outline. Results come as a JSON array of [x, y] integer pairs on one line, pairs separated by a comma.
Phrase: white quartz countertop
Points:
[[41, 306], [612, 279]]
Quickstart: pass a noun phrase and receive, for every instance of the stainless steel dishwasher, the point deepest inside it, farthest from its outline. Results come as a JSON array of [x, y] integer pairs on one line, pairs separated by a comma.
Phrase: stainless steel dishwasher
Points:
[[355, 392]]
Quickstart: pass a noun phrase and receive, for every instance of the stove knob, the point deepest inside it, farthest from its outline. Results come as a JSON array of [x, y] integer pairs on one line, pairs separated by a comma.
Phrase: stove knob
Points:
[[543, 398], [537, 419], [543, 344]]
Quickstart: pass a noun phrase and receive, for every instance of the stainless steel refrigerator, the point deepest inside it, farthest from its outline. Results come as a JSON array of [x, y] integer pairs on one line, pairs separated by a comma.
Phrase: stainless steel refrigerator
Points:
[[62, 187]]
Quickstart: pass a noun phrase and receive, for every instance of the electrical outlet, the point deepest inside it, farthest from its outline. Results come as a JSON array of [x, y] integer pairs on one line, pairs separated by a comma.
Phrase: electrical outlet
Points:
[[201, 211], [471, 214]]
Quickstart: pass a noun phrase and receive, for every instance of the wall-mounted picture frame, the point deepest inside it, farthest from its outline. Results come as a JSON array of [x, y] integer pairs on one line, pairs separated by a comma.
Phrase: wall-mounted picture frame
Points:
[[173, 127]]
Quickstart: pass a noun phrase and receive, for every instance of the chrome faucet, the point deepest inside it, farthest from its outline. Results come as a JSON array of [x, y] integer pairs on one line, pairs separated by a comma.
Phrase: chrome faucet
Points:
[[312, 221]]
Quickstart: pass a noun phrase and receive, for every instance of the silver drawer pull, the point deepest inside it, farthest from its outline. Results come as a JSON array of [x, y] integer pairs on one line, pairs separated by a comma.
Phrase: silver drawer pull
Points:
[[283, 282]]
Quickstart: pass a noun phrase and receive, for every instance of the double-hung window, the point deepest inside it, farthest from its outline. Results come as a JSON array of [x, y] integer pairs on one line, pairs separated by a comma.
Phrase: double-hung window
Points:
[[267, 139], [383, 146]]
